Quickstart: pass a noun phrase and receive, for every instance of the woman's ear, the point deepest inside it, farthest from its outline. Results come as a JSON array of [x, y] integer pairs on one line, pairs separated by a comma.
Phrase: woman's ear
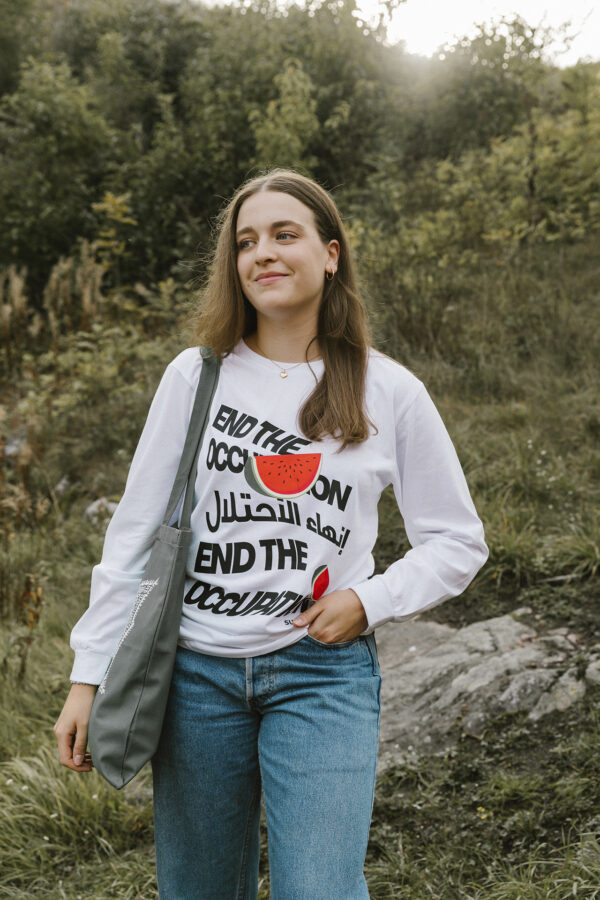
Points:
[[333, 252]]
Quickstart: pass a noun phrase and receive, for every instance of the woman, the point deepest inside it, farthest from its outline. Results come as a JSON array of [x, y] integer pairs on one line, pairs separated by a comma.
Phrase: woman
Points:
[[276, 685]]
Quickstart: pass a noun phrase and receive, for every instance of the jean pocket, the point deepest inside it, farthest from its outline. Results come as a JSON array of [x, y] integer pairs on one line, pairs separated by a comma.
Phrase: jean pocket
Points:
[[334, 644]]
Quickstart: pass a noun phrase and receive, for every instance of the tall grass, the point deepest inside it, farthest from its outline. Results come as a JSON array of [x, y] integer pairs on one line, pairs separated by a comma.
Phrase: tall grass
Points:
[[54, 822]]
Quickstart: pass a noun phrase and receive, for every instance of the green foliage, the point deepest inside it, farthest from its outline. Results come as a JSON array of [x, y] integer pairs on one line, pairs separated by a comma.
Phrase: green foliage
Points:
[[121, 90], [483, 86], [514, 369], [86, 404], [114, 234], [157, 185], [174, 105], [20, 26], [285, 130], [54, 148]]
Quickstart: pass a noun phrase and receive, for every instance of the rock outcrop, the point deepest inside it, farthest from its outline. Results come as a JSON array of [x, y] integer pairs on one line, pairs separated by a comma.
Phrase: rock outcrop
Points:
[[440, 681]]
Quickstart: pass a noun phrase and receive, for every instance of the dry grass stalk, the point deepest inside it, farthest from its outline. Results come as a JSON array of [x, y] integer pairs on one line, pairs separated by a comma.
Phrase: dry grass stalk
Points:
[[13, 312]]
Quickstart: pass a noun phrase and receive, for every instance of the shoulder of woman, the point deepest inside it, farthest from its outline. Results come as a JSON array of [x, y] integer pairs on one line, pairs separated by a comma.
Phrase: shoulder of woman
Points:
[[188, 363], [390, 373]]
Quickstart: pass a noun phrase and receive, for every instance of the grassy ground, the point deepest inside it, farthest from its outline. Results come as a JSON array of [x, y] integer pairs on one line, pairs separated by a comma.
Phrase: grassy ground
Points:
[[515, 815]]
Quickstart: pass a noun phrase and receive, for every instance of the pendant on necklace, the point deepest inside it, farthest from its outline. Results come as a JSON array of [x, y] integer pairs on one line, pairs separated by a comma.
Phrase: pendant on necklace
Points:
[[283, 374]]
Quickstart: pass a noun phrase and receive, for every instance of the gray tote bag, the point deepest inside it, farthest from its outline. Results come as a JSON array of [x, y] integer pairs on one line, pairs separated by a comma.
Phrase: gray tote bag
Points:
[[129, 705]]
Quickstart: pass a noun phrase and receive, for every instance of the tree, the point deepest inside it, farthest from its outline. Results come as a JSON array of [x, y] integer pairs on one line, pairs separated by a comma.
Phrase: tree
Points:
[[284, 130], [54, 151], [17, 37], [481, 87]]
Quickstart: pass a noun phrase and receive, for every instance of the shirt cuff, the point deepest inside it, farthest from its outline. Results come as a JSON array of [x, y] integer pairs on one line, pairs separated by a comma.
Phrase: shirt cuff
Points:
[[375, 597], [89, 667]]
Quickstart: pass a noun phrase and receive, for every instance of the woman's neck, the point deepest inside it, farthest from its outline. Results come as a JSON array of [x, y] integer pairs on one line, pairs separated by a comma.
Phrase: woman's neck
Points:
[[283, 346]]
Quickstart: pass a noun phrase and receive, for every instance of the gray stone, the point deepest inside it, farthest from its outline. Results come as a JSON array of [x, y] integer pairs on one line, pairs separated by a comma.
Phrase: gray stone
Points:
[[559, 641], [495, 635], [592, 673], [439, 681], [490, 672], [525, 689], [394, 641], [474, 724], [565, 692]]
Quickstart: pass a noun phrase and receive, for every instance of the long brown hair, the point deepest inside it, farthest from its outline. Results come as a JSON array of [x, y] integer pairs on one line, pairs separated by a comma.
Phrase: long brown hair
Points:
[[224, 315]]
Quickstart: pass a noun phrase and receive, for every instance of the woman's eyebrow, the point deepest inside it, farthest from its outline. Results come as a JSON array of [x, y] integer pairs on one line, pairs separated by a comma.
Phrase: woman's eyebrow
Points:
[[284, 223]]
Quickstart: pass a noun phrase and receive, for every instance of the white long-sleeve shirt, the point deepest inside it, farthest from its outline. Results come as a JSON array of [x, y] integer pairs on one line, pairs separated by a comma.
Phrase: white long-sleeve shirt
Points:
[[255, 557]]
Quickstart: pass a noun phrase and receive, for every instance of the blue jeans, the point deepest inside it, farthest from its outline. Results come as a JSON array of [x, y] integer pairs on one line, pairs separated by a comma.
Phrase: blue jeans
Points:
[[302, 723]]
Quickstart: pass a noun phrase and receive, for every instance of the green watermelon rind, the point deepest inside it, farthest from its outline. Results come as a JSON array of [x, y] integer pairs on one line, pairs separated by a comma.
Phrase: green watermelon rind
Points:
[[249, 474], [256, 482], [320, 570]]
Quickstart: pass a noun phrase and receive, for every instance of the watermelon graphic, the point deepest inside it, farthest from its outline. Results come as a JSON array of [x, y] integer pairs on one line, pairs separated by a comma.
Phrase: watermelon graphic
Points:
[[283, 474], [320, 582]]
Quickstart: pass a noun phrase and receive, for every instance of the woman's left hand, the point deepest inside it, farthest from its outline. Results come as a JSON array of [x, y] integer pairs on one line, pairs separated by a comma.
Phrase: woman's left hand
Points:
[[338, 616]]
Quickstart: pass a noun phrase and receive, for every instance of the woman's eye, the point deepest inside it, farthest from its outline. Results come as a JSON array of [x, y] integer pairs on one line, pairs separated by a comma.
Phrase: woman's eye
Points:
[[245, 243]]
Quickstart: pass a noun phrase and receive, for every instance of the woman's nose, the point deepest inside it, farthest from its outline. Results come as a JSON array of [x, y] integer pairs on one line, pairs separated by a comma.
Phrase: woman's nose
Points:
[[265, 249]]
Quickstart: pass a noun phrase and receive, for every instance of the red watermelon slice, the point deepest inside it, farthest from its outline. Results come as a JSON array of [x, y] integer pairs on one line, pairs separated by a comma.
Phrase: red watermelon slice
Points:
[[320, 582], [283, 474]]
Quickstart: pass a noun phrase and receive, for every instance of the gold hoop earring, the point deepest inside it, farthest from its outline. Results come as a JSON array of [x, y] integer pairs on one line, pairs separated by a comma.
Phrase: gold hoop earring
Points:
[[329, 275]]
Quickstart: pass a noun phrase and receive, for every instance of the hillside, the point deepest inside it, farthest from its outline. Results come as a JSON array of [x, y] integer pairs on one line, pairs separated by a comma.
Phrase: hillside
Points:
[[470, 188]]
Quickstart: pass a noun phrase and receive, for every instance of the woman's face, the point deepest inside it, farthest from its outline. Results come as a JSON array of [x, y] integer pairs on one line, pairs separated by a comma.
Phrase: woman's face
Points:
[[281, 259]]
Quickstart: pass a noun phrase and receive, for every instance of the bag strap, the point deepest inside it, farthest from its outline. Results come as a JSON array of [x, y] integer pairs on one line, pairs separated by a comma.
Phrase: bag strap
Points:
[[188, 464]]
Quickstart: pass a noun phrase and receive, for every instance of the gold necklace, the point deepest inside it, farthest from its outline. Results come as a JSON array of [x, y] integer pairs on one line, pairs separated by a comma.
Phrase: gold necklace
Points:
[[283, 370]]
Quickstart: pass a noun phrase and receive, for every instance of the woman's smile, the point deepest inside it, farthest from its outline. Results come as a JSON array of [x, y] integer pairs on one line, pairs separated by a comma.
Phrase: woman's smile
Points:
[[270, 277]]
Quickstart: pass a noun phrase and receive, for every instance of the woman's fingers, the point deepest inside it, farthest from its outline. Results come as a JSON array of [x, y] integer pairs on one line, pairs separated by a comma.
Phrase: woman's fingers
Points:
[[79, 746], [72, 747], [71, 729]]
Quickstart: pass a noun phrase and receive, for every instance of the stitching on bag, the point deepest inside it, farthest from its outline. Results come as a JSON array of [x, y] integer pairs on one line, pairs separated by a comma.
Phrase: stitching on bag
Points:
[[156, 631], [144, 589]]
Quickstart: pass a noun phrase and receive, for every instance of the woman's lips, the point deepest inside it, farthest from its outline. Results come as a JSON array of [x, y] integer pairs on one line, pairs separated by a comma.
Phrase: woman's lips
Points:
[[270, 279]]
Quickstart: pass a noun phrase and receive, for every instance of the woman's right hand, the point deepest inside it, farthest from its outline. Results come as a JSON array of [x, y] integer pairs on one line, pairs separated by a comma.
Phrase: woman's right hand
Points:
[[71, 728]]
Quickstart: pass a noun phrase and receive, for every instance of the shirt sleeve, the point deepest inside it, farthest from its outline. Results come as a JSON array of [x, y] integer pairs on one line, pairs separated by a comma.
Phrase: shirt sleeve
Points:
[[442, 526], [131, 530]]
